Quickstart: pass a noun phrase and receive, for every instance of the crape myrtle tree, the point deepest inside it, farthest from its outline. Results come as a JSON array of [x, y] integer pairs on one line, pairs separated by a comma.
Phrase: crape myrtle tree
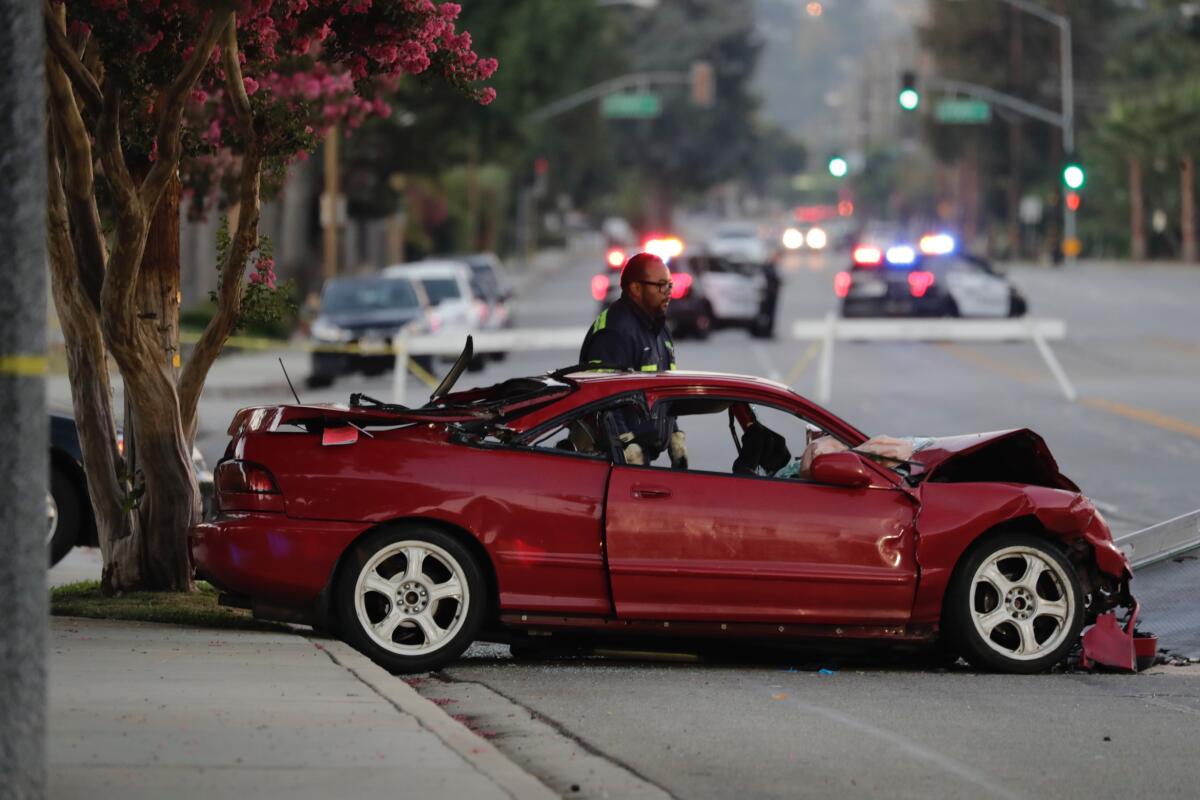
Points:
[[222, 94]]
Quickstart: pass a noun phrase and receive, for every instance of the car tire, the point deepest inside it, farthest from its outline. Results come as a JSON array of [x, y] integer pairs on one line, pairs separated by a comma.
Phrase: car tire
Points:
[[410, 597], [1017, 307], [1014, 604], [950, 308], [763, 326], [66, 515]]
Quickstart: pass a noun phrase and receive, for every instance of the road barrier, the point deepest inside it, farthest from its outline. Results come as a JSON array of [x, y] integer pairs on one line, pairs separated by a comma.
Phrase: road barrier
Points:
[[1162, 541], [833, 328]]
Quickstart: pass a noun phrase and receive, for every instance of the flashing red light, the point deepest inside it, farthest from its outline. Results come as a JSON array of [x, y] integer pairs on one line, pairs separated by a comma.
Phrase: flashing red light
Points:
[[599, 287], [665, 248], [682, 284], [919, 282], [1073, 201], [845, 208], [841, 283], [867, 256], [615, 257]]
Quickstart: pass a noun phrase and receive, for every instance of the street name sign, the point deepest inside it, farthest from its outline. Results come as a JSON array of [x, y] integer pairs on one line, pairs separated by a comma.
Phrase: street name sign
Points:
[[959, 111], [631, 105]]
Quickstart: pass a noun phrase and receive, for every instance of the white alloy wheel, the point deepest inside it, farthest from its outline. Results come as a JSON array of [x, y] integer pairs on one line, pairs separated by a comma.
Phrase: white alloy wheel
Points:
[[51, 517], [1022, 606], [411, 597]]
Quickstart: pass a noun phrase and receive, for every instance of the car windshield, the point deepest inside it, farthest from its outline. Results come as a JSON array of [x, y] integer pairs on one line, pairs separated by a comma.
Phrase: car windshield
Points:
[[378, 294], [736, 232], [484, 280], [441, 289]]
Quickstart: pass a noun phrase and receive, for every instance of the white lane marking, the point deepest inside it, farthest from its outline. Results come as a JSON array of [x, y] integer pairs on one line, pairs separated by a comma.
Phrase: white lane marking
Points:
[[764, 361], [913, 749]]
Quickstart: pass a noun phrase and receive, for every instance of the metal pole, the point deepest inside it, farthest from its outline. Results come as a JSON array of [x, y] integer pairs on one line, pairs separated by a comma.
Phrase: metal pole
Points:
[[24, 459], [329, 203], [1068, 128]]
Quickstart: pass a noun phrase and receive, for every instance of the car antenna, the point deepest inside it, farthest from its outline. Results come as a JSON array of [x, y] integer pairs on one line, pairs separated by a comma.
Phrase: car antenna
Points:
[[289, 380]]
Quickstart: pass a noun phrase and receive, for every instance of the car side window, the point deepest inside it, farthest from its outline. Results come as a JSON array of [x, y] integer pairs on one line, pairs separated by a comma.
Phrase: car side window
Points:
[[595, 432], [739, 438]]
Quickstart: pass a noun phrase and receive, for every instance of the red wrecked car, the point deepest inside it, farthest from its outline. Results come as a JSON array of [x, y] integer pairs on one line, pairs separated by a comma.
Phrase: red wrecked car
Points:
[[655, 504]]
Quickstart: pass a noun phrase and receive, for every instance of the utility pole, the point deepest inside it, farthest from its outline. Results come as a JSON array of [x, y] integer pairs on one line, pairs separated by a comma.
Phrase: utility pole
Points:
[[331, 203], [24, 465]]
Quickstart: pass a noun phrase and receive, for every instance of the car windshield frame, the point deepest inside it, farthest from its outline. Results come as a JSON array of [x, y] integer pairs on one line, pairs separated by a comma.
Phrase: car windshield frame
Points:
[[437, 297]]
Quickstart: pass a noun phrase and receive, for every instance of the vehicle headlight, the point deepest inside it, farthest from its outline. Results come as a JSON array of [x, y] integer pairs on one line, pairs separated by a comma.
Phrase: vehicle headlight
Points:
[[326, 331]]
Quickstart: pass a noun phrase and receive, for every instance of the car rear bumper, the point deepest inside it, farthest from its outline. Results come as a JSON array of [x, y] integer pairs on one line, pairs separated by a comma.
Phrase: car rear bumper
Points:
[[270, 557]]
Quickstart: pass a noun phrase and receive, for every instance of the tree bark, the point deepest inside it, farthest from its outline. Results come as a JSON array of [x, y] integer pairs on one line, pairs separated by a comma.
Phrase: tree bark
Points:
[[1187, 207], [1137, 212], [91, 395]]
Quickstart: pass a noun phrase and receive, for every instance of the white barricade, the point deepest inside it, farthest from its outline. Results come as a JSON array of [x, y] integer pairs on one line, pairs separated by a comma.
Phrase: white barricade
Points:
[[832, 328], [512, 340]]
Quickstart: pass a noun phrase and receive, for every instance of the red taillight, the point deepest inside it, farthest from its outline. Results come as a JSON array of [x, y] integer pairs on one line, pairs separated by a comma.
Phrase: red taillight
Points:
[[682, 284], [244, 477], [599, 287], [841, 283], [615, 258], [919, 282], [868, 256]]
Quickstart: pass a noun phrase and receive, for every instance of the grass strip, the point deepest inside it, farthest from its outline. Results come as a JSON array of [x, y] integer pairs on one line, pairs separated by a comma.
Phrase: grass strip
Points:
[[197, 609]]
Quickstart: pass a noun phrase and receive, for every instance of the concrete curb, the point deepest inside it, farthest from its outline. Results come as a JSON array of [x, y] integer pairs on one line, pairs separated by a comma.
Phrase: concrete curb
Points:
[[476, 751]]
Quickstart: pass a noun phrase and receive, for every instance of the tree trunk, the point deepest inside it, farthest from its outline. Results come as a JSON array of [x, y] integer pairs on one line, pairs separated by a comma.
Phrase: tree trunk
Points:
[[1137, 212], [1187, 207], [156, 444]]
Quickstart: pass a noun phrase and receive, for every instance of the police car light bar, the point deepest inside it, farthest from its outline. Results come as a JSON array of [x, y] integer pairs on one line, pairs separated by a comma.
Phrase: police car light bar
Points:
[[901, 255], [867, 256], [937, 244]]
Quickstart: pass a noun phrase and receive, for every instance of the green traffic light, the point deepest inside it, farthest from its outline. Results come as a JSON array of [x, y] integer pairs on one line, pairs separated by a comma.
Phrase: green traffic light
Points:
[[1073, 176], [909, 99], [838, 167]]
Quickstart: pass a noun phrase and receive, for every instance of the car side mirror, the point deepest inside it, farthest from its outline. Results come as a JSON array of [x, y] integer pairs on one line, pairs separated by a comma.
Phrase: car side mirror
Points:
[[840, 469]]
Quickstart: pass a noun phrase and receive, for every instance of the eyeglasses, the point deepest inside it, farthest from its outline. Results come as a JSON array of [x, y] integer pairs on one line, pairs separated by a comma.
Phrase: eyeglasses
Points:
[[662, 286]]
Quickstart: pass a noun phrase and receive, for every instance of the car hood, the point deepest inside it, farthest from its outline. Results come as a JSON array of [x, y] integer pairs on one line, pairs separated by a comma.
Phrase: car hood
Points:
[[1012, 456]]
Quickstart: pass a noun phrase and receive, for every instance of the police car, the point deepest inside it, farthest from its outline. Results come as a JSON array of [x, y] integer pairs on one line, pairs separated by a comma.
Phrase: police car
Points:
[[927, 278], [708, 291]]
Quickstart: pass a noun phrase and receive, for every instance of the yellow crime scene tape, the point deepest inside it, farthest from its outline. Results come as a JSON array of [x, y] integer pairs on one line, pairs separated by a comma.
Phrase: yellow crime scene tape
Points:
[[265, 343], [23, 365]]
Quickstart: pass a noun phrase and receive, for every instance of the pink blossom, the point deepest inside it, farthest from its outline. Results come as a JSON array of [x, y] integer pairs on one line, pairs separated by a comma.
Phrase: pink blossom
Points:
[[486, 96], [250, 84]]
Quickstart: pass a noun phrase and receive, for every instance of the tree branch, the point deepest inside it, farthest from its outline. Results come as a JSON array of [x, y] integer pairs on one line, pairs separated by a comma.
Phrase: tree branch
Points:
[[56, 38], [170, 109], [78, 185], [245, 240]]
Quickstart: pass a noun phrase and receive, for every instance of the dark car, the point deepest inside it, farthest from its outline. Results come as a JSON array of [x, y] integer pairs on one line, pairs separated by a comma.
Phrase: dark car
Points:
[[901, 281], [523, 509], [358, 319], [68, 508]]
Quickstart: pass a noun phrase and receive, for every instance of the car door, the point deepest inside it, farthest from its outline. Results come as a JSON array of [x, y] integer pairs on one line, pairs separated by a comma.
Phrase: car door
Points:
[[977, 292], [693, 545], [731, 292]]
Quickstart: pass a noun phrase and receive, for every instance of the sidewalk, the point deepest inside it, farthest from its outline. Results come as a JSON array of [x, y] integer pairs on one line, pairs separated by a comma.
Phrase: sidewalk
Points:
[[139, 710]]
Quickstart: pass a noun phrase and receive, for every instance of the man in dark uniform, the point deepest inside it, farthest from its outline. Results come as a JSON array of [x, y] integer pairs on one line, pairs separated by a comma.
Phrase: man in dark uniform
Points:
[[632, 334]]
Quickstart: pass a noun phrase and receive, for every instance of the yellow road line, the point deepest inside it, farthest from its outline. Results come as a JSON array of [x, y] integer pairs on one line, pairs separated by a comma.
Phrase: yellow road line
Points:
[[1174, 344], [804, 360], [23, 365], [979, 359], [1143, 415]]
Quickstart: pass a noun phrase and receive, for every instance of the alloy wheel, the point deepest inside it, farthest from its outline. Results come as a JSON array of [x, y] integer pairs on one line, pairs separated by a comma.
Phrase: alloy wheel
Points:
[[1021, 604], [411, 597]]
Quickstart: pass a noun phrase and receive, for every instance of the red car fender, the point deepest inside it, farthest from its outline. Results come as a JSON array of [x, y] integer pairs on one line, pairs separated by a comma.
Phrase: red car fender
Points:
[[952, 516]]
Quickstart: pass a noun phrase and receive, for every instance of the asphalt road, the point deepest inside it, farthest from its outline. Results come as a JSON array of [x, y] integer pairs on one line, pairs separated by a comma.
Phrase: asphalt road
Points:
[[780, 729]]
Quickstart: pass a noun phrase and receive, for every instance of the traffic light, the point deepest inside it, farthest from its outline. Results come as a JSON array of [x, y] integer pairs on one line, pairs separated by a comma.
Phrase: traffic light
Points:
[[703, 84], [838, 167], [908, 98], [1073, 201], [1073, 177]]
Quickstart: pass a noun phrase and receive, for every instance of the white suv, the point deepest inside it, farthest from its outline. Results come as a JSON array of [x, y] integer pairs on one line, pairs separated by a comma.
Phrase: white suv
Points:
[[456, 309]]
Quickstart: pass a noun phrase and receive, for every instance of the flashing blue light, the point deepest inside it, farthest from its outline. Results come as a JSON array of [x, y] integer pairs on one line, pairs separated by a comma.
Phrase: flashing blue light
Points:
[[901, 255]]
